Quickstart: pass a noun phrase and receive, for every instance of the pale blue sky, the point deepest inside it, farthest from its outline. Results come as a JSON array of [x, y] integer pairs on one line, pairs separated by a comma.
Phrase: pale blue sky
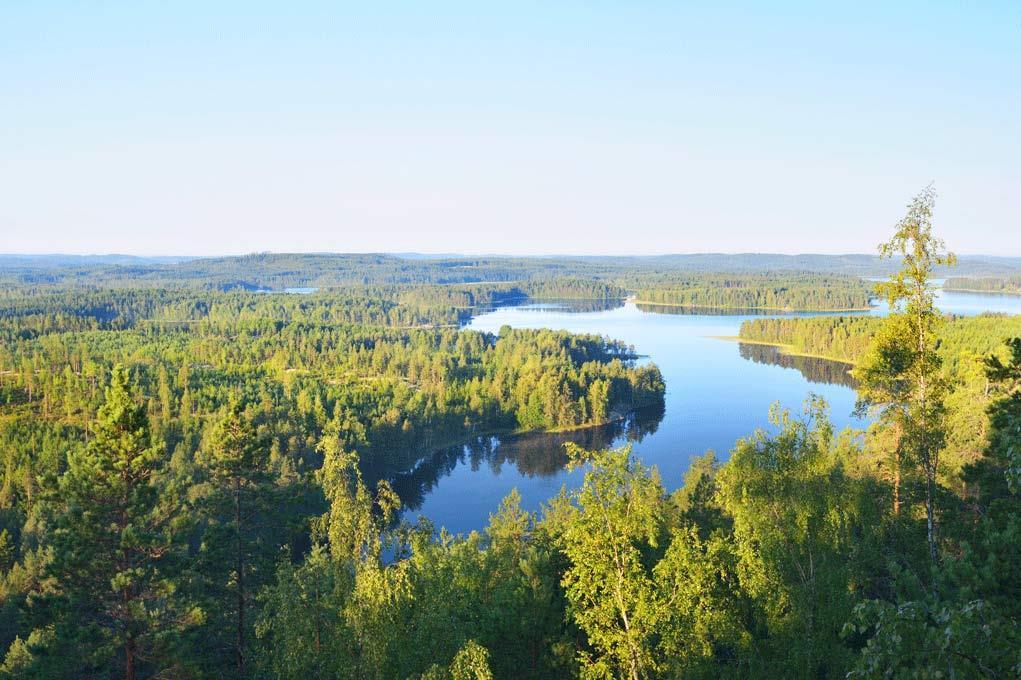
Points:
[[547, 127]]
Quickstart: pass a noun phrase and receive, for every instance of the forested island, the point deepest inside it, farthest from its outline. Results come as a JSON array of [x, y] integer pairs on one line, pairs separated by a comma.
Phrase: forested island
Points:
[[201, 479], [782, 292], [1010, 285]]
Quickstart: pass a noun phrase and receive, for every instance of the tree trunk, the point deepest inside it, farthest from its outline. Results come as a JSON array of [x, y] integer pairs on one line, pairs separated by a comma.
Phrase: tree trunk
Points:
[[240, 566], [129, 659], [928, 455], [896, 487], [930, 523], [318, 609], [898, 458], [124, 564]]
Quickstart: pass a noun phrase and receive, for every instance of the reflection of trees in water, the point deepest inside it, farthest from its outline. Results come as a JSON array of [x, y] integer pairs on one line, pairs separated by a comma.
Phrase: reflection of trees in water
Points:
[[579, 306], [814, 369], [570, 306], [534, 454], [708, 311]]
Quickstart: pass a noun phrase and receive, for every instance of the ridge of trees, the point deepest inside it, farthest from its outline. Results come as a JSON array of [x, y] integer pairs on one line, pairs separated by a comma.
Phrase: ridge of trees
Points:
[[1008, 285], [807, 292]]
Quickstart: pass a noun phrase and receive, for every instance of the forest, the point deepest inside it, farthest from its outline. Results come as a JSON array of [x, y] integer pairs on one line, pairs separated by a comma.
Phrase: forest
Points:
[[848, 338], [1010, 285], [775, 291], [90, 381], [281, 270], [202, 480]]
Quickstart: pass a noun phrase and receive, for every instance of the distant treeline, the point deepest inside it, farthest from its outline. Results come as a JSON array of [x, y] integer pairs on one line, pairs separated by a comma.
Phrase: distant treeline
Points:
[[280, 271], [757, 291], [1010, 285], [26, 314], [321, 270]]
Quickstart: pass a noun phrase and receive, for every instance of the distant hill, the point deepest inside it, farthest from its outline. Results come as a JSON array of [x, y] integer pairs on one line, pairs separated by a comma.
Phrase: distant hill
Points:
[[286, 270], [858, 264], [58, 260]]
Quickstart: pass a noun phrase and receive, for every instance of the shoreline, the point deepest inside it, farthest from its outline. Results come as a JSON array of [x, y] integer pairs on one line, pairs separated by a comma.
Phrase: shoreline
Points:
[[788, 310], [518, 432], [789, 350], [1015, 293]]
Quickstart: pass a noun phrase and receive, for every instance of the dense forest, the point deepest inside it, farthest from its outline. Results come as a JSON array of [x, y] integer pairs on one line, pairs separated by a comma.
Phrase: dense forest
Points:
[[427, 305], [1010, 285], [282, 270], [227, 409], [204, 481], [759, 291], [393, 291], [848, 338]]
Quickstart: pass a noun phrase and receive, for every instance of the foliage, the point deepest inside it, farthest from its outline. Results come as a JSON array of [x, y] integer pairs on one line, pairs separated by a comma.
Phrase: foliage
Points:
[[111, 538], [224, 508], [901, 374], [761, 291], [1007, 284]]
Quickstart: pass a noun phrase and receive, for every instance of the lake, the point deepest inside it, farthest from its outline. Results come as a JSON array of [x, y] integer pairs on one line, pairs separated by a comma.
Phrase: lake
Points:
[[717, 391]]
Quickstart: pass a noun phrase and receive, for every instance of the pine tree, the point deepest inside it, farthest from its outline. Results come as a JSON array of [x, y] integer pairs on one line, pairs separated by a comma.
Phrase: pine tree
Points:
[[112, 538], [234, 550]]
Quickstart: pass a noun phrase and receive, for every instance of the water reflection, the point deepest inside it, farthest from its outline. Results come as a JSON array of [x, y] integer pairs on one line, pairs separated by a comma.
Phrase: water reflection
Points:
[[713, 311], [533, 454], [568, 306], [815, 369]]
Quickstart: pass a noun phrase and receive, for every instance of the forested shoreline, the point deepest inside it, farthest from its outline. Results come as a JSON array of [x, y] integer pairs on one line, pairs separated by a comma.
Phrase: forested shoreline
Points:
[[775, 292], [848, 338], [1010, 285]]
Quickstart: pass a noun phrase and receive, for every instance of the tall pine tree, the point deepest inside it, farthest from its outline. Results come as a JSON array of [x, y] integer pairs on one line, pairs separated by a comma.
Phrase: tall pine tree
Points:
[[110, 541], [237, 554]]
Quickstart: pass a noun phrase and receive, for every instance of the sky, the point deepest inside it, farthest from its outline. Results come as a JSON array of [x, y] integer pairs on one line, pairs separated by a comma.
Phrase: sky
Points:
[[593, 127]]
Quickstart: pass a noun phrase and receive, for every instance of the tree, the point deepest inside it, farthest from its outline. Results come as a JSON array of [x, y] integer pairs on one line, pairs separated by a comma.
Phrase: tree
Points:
[[470, 663], [799, 523], [901, 373], [311, 619], [1005, 417], [236, 464], [355, 522], [931, 638], [652, 599], [112, 537], [302, 620], [967, 625], [610, 590]]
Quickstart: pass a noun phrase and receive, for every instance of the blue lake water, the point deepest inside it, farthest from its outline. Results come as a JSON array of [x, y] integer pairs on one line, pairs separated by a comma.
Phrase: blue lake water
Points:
[[717, 392]]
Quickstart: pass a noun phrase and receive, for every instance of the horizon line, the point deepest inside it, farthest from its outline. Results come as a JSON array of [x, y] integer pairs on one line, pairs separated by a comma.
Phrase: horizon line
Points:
[[450, 254]]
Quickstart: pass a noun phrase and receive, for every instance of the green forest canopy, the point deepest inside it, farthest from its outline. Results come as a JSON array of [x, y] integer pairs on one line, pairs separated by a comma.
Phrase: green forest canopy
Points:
[[758, 291], [195, 485], [1008, 285]]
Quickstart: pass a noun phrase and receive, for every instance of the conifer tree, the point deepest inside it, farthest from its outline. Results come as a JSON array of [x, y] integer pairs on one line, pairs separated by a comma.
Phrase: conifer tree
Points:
[[112, 538], [236, 464]]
